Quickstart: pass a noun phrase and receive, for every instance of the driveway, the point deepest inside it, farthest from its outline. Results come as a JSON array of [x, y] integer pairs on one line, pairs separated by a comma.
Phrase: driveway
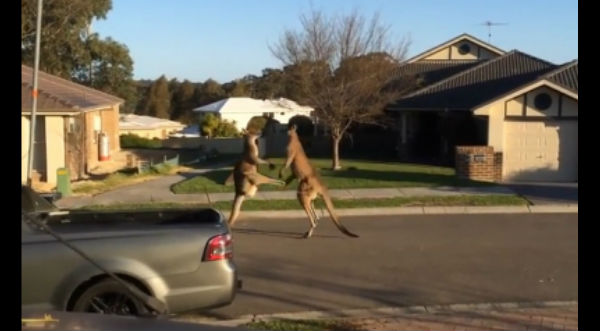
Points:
[[547, 193]]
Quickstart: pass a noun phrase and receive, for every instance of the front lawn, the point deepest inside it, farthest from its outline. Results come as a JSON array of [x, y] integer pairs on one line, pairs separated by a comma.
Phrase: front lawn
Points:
[[355, 174]]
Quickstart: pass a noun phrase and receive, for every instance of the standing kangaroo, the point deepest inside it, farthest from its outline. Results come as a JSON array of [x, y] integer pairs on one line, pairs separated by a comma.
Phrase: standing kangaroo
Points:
[[309, 185], [245, 175]]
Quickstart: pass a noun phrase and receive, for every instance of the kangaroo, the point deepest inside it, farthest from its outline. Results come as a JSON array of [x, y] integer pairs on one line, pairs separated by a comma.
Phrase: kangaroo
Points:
[[245, 175], [309, 185]]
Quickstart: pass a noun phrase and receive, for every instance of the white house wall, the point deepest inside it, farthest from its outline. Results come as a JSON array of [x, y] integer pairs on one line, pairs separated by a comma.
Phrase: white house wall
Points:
[[242, 119]]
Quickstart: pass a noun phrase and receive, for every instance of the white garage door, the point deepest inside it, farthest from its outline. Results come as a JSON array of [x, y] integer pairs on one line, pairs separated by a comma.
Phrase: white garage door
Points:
[[540, 151]]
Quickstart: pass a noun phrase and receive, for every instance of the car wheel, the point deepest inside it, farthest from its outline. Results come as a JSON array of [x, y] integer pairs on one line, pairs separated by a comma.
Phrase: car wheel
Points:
[[108, 297]]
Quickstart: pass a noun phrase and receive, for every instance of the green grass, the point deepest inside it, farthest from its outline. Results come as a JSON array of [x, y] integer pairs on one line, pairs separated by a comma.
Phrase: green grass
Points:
[[249, 205], [301, 325], [121, 178], [355, 174]]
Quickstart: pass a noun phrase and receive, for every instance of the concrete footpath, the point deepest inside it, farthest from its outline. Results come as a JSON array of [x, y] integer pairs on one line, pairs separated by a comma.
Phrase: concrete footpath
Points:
[[548, 315], [158, 191]]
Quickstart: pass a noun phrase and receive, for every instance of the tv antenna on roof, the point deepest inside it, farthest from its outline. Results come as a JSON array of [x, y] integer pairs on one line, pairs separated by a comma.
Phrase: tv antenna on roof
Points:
[[489, 25]]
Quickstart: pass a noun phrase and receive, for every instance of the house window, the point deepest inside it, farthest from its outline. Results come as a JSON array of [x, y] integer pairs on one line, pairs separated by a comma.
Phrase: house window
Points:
[[542, 101], [464, 49]]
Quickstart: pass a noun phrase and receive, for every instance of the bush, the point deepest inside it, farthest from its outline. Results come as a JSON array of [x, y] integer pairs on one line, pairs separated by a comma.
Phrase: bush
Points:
[[135, 141], [256, 124], [213, 126]]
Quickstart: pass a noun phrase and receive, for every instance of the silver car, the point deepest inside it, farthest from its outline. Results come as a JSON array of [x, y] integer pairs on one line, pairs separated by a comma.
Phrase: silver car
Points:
[[181, 257]]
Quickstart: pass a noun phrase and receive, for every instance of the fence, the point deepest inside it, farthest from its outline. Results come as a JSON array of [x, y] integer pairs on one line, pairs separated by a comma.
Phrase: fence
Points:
[[145, 166], [221, 145]]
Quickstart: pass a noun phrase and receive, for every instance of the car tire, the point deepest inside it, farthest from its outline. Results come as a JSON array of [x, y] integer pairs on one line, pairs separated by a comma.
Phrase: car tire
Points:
[[109, 297]]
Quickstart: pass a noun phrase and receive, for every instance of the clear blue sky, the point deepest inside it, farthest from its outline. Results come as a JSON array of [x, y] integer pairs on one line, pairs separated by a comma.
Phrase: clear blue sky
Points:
[[227, 39]]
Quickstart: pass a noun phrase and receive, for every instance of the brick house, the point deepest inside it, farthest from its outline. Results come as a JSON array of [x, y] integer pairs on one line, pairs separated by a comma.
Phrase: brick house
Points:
[[518, 110], [70, 119]]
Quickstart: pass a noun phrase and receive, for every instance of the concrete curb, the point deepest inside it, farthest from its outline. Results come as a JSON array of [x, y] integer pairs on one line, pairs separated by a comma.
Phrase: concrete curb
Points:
[[382, 312], [432, 210]]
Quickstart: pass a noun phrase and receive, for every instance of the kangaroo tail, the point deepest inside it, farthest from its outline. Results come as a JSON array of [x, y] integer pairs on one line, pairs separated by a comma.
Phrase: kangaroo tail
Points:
[[333, 216], [229, 180]]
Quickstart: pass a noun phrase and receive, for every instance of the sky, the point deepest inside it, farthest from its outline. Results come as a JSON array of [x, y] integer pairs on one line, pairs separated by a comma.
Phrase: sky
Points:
[[228, 39]]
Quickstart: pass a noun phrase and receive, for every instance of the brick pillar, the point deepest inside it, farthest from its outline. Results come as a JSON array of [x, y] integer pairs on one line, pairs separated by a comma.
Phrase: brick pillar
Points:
[[478, 163], [498, 166]]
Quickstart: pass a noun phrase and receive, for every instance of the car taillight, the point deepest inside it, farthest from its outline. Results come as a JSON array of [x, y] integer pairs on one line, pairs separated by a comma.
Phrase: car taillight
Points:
[[219, 247]]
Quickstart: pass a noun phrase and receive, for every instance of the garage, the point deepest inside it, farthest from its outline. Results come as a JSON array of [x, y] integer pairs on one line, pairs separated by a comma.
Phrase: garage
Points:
[[544, 150]]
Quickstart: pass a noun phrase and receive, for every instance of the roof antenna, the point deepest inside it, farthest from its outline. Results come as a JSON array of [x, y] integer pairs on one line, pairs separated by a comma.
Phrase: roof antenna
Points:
[[489, 25]]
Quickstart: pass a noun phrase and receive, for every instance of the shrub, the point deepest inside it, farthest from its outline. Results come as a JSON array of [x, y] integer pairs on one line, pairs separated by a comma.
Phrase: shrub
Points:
[[135, 141], [213, 126], [256, 124]]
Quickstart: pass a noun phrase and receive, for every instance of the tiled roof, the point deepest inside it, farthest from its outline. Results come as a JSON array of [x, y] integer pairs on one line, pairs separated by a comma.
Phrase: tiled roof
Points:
[[473, 86], [566, 76], [132, 121], [57, 94], [432, 71]]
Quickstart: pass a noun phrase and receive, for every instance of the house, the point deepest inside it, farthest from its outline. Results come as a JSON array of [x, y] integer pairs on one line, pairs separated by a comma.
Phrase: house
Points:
[[71, 122], [190, 131], [241, 110], [471, 93], [147, 126]]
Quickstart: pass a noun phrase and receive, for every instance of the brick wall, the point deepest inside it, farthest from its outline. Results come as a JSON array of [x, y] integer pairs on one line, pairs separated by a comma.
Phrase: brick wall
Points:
[[478, 163], [109, 123]]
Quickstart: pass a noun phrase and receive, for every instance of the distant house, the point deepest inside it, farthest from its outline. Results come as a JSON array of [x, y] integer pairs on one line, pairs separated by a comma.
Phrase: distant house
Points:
[[190, 131], [241, 110], [70, 120], [147, 126], [472, 93]]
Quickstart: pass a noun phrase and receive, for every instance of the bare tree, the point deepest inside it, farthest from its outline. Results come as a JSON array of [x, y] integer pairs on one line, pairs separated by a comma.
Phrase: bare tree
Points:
[[344, 67]]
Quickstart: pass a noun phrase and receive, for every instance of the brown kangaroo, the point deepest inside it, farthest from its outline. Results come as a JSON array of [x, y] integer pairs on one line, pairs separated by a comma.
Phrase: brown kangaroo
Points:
[[309, 184], [245, 175]]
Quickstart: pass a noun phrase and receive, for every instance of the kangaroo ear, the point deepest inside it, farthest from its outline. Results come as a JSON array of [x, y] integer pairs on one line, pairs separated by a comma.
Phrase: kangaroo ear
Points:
[[244, 132]]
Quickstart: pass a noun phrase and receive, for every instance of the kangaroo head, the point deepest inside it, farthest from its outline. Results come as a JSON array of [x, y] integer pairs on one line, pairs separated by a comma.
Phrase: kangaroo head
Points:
[[292, 130]]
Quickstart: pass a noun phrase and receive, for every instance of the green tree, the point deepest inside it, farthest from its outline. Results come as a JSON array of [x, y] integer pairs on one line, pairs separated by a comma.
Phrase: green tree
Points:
[[238, 88], [256, 124], [64, 26], [183, 100], [209, 124], [270, 85], [68, 48], [159, 99], [212, 126], [109, 68], [208, 92], [227, 129]]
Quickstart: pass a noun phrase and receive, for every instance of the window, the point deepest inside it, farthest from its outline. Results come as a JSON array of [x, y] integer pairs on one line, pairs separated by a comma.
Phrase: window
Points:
[[542, 101], [464, 49]]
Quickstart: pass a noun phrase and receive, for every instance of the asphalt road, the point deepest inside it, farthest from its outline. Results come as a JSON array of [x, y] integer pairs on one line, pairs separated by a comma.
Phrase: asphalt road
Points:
[[403, 261]]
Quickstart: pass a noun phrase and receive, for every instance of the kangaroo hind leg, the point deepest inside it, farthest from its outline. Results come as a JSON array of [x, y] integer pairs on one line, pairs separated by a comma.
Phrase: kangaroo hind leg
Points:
[[306, 204], [235, 209]]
